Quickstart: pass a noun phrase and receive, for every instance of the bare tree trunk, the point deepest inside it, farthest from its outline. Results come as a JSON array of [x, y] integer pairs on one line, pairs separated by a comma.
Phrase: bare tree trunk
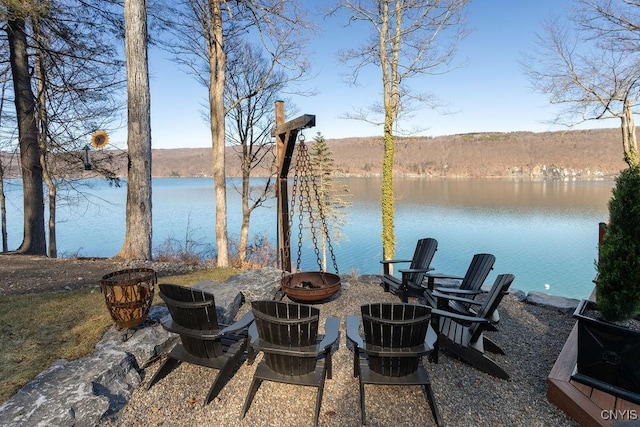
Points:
[[34, 241], [628, 128], [246, 211], [389, 86], [43, 142], [3, 200], [387, 200], [138, 237], [3, 211], [217, 64]]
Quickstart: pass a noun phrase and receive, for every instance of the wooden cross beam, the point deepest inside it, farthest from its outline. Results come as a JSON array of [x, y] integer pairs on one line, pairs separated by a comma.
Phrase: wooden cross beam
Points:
[[286, 135]]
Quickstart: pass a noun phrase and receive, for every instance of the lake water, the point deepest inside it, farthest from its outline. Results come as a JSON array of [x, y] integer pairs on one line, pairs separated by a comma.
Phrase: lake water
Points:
[[544, 232]]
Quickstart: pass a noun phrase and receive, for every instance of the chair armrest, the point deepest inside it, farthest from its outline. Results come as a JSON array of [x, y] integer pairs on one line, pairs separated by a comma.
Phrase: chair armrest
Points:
[[442, 276], [331, 333], [459, 317], [171, 326], [393, 261], [431, 277], [353, 323], [450, 297], [239, 325], [415, 270], [457, 291]]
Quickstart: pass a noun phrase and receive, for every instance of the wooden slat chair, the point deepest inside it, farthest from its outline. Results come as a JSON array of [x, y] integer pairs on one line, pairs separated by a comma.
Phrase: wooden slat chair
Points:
[[463, 335], [396, 336], [287, 334], [410, 284], [192, 315], [470, 286]]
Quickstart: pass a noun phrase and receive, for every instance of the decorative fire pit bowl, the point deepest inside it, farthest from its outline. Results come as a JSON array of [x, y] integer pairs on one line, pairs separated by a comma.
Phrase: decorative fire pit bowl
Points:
[[312, 286], [128, 295]]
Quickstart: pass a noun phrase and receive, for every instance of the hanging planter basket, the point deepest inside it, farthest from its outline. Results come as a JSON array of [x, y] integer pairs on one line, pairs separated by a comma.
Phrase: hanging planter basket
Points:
[[128, 295], [311, 286]]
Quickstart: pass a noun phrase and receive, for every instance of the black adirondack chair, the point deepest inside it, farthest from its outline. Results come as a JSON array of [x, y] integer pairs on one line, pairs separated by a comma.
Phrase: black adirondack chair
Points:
[[470, 287], [410, 284], [192, 315], [463, 335], [287, 334], [396, 336]]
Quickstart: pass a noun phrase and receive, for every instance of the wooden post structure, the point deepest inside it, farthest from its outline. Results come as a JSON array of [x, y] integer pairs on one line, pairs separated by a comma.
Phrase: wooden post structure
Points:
[[286, 135]]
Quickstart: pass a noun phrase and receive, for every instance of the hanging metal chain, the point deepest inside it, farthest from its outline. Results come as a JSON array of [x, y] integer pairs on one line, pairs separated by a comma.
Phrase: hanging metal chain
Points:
[[303, 182]]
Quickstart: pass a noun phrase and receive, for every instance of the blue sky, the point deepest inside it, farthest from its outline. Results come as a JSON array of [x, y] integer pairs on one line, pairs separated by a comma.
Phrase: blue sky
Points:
[[488, 94]]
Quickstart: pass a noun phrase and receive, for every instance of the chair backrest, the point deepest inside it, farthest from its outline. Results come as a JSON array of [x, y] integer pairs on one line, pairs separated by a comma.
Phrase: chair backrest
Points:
[[394, 326], [195, 310], [499, 289], [293, 327], [422, 257], [481, 265]]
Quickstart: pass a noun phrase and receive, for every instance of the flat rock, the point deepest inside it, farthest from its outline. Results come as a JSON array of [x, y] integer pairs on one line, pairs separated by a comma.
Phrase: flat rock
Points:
[[565, 305]]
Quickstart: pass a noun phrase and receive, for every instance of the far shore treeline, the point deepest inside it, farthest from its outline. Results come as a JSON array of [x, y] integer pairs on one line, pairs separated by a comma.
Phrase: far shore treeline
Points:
[[584, 154]]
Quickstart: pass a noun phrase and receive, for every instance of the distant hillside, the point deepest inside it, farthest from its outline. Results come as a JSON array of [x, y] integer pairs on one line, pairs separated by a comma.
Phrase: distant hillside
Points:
[[584, 153]]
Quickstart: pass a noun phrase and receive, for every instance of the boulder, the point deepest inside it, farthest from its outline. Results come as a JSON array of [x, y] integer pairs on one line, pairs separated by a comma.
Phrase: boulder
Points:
[[145, 343], [228, 299], [251, 285], [518, 294], [76, 393], [565, 305], [258, 284]]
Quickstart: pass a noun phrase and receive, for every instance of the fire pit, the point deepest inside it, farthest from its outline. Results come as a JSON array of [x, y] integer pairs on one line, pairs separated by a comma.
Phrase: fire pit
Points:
[[312, 286]]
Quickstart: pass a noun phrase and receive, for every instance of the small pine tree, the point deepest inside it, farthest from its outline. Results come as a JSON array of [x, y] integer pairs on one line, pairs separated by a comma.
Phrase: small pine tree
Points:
[[618, 283], [333, 197]]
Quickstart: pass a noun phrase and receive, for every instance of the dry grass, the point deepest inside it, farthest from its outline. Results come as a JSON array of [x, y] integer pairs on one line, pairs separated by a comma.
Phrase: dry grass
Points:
[[213, 274], [39, 328]]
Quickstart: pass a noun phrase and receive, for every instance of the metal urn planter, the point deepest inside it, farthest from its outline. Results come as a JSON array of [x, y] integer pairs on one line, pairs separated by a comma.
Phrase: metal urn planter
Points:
[[128, 295]]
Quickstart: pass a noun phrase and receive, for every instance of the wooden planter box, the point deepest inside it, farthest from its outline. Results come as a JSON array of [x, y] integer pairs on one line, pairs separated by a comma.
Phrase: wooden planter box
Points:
[[608, 356]]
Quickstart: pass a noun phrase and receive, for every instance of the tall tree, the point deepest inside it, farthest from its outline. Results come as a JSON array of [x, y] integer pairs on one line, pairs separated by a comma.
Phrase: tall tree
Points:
[[78, 85], [252, 87], [410, 38], [204, 30], [34, 240], [589, 65], [138, 235]]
